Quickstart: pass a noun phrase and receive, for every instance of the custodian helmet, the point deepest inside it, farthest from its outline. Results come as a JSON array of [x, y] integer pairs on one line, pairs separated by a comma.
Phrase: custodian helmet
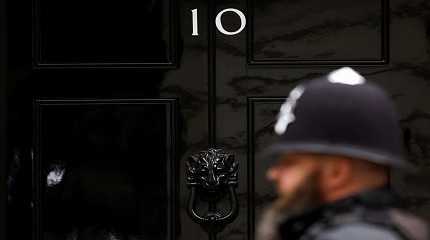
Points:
[[341, 114]]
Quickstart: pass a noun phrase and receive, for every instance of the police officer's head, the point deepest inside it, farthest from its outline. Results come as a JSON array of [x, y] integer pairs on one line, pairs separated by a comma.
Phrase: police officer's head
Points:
[[338, 135]]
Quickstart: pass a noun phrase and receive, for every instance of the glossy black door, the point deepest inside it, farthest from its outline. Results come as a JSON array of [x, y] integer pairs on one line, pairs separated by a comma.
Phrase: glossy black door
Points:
[[100, 94], [290, 41], [95, 132]]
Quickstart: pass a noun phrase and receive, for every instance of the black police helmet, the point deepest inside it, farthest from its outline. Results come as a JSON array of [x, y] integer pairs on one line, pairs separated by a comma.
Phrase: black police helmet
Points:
[[340, 114]]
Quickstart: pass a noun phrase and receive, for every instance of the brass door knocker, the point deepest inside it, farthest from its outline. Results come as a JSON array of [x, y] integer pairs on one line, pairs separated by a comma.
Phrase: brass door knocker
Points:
[[211, 176]]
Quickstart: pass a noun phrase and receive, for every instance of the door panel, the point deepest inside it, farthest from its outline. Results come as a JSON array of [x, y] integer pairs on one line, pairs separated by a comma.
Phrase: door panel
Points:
[[315, 32], [105, 169], [262, 115], [98, 33]]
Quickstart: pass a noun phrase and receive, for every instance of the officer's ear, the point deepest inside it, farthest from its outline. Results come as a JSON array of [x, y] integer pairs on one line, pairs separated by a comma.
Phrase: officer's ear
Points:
[[336, 173]]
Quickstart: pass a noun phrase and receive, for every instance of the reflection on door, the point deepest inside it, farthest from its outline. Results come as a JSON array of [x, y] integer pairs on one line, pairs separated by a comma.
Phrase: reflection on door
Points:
[[104, 169]]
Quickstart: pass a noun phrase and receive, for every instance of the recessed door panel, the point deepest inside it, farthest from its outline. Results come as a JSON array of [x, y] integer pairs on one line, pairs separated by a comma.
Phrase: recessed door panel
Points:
[[105, 33], [316, 32], [105, 170]]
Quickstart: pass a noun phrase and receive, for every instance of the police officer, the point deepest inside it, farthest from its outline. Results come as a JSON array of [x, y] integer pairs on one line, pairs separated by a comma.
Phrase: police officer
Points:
[[338, 139]]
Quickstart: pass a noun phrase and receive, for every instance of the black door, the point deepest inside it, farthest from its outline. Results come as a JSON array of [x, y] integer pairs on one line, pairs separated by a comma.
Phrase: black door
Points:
[[106, 101]]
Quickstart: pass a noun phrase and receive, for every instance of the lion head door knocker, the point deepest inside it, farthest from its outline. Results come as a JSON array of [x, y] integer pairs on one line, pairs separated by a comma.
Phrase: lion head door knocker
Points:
[[211, 177]]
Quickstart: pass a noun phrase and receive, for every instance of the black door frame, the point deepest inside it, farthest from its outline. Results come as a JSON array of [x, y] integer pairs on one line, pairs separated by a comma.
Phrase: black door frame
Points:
[[3, 61]]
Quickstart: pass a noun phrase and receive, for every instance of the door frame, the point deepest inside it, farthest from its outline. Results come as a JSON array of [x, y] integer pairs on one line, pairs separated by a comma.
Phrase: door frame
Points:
[[3, 118]]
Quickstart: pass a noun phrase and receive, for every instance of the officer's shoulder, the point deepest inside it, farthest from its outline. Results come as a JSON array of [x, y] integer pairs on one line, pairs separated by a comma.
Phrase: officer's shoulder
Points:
[[359, 231], [392, 224]]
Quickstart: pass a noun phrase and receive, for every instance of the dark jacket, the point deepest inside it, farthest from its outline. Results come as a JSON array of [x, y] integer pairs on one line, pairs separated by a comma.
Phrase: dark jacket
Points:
[[373, 215]]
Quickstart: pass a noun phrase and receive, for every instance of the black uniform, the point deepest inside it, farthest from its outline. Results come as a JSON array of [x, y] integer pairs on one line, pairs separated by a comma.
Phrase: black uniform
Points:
[[373, 215]]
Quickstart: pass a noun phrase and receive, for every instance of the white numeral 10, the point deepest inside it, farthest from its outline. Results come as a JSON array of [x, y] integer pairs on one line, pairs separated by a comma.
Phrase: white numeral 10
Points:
[[218, 22]]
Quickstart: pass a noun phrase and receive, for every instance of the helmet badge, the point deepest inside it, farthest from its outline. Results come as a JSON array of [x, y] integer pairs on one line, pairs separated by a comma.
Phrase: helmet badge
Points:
[[347, 76], [286, 113]]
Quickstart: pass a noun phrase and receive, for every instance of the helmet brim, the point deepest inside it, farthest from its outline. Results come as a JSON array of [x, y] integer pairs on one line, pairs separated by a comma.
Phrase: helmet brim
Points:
[[274, 152]]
